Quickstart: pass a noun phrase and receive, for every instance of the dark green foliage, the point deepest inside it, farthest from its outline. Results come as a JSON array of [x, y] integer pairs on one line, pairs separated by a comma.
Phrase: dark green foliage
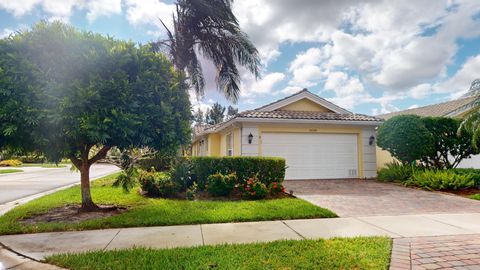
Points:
[[157, 184], [405, 137], [276, 188], [221, 185], [268, 170], [231, 111], [431, 140], [191, 193], [216, 114], [448, 148], [440, 180], [181, 173], [395, 171], [160, 161], [64, 92]]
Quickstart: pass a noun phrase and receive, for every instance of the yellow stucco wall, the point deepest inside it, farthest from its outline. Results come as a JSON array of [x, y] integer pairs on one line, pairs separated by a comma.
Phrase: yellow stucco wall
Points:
[[317, 129], [237, 143], [383, 157], [195, 149], [304, 105], [213, 145]]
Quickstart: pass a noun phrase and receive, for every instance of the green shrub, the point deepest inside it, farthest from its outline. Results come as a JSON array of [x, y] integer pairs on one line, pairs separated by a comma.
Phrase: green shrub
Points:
[[157, 184], [395, 171], [254, 189], [440, 180], [181, 173], [267, 169], [10, 163], [221, 185], [191, 193], [276, 188], [160, 161], [475, 173]]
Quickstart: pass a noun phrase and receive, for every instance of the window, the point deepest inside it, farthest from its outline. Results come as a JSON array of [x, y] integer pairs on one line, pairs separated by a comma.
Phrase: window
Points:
[[229, 139]]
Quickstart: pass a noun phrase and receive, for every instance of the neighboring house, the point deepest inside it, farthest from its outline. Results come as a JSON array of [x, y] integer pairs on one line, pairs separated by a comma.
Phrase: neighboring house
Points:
[[318, 139], [455, 108]]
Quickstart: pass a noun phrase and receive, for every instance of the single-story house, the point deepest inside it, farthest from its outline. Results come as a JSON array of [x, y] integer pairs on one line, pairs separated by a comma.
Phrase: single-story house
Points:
[[318, 139], [456, 108]]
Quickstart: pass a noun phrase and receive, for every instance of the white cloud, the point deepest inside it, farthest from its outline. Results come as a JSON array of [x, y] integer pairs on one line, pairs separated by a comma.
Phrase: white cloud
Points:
[[414, 106], [252, 87], [420, 91], [148, 12], [5, 33], [62, 9], [290, 90], [459, 83]]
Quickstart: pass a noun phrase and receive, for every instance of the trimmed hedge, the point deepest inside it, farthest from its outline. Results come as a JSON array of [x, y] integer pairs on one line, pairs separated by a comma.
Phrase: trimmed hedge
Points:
[[268, 170]]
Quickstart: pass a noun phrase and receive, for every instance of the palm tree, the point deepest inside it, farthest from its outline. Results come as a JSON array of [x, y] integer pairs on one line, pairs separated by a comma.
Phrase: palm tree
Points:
[[210, 28], [471, 122]]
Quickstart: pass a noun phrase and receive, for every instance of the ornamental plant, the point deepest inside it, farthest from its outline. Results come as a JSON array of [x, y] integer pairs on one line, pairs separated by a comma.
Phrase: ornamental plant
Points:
[[276, 188], [254, 189], [220, 184]]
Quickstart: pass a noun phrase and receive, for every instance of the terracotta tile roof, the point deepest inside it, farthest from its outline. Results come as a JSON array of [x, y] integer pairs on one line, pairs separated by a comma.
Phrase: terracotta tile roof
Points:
[[440, 109], [304, 115]]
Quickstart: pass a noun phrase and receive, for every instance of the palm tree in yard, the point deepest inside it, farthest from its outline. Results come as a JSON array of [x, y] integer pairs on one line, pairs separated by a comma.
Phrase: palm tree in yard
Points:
[[471, 122], [209, 28]]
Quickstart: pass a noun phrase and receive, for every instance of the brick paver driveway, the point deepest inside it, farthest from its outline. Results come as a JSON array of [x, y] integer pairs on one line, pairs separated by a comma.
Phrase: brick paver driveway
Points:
[[353, 198], [439, 252]]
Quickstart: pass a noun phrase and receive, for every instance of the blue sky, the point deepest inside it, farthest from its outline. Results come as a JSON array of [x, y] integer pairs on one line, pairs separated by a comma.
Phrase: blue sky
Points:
[[371, 57]]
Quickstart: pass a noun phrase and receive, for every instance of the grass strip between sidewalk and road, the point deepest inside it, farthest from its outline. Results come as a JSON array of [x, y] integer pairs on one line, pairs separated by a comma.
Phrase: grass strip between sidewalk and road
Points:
[[4, 171], [337, 253], [144, 211], [475, 197]]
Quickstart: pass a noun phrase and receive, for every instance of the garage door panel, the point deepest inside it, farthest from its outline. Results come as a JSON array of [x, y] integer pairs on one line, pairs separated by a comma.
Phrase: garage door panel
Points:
[[314, 156]]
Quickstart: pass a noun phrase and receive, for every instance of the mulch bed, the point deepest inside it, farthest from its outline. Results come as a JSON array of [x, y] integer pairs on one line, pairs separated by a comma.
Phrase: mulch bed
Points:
[[71, 214]]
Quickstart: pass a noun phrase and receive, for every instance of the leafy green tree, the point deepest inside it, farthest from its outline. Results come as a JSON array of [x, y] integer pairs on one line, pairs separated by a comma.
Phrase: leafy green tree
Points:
[[72, 94], [216, 114], [449, 148], [231, 111], [405, 137], [211, 29], [199, 118]]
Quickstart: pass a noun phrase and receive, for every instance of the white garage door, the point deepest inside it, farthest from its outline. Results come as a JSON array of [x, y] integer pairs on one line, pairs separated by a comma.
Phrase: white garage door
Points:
[[313, 155]]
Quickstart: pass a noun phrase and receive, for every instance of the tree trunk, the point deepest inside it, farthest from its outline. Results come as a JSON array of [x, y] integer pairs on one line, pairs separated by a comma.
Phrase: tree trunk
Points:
[[87, 202]]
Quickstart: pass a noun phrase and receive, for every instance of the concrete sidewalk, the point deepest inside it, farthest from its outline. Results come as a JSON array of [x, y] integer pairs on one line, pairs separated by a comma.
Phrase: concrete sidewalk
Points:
[[38, 246]]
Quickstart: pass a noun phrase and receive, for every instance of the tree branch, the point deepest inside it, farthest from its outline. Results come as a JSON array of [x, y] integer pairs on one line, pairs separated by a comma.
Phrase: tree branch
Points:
[[100, 155], [77, 162]]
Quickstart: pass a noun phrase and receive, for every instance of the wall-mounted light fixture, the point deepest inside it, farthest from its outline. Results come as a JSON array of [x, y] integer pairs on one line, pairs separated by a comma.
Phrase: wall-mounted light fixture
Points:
[[250, 138], [371, 140]]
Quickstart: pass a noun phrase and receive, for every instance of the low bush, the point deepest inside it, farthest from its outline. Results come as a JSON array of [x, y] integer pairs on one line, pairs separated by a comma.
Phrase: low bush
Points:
[[191, 192], [441, 180], [395, 171], [10, 163], [181, 173], [276, 188], [253, 189], [267, 169], [157, 184], [221, 185], [475, 173]]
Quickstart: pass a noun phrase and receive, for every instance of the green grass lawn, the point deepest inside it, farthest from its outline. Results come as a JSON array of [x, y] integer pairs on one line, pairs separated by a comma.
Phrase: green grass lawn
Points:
[[154, 212], [338, 253], [476, 196], [45, 165], [3, 171]]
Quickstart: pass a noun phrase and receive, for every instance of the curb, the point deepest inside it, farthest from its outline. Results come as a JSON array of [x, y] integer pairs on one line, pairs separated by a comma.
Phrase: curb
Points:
[[12, 260], [4, 208]]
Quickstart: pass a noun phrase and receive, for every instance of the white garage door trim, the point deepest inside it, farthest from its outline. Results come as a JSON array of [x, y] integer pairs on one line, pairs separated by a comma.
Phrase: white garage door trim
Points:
[[314, 155]]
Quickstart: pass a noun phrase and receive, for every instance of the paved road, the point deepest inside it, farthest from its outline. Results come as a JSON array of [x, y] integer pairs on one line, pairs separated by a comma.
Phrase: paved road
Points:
[[37, 180]]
